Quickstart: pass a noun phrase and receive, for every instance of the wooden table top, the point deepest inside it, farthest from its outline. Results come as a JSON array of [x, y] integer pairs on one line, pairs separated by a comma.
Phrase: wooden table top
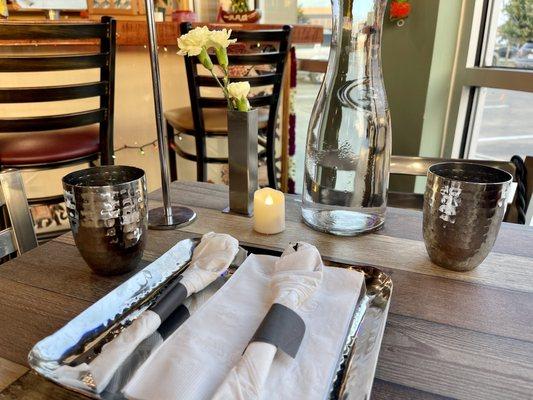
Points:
[[449, 335]]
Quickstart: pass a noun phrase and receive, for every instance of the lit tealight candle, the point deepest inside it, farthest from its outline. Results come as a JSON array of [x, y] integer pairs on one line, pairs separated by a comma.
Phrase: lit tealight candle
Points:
[[269, 211]]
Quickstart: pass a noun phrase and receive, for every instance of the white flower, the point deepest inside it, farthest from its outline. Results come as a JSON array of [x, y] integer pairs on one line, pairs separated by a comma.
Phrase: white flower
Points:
[[192, 43], [238, 90], [220, 39]]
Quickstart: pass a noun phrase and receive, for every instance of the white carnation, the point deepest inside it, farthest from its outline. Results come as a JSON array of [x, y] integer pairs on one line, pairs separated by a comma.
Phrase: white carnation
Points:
[[238, 90], [192, 43], [220, 39]]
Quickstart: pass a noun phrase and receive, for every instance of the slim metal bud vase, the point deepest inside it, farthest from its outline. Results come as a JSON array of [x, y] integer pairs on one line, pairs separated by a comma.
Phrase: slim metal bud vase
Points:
[[242, 155]]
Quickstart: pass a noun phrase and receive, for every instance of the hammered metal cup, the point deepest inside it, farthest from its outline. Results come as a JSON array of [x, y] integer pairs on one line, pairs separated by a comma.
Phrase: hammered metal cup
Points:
[[464, 205], [107, 210]]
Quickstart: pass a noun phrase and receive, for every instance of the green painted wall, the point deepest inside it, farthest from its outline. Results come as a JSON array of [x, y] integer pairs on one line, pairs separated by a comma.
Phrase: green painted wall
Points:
[[417, 66], [433, 129], [407, 53]]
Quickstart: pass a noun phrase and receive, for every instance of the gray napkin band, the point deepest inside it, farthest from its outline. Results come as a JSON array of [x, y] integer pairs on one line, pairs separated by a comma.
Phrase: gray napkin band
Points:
[[174, 321], [282, 328], [169, 300]]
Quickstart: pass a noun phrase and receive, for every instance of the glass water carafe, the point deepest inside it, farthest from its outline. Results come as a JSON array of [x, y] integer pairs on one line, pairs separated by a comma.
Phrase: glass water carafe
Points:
[[349, 136]]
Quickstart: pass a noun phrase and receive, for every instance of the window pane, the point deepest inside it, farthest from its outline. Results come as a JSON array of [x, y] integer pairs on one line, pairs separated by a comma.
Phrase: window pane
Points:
[[313, 12], [504, 126], [510, 41]]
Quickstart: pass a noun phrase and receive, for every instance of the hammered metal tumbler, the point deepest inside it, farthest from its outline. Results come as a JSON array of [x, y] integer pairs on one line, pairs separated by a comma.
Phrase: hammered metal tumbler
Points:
[[107, 210], [464, 205]]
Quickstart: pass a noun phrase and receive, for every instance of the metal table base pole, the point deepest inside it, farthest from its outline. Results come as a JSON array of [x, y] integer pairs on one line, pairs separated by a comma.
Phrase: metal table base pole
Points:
[[168, 216]]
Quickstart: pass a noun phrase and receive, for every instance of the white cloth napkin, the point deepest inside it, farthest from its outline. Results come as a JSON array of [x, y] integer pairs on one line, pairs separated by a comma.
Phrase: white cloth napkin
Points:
[[296, 276], [195, 360], [209, 260]]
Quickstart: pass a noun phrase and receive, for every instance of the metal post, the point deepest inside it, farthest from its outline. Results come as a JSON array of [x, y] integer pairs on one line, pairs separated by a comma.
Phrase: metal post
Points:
[[168, 216]]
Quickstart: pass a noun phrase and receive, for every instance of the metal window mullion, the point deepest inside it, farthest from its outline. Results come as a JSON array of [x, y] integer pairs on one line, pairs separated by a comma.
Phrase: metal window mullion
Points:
[[474, 122], [488, 39], [498, 78], [465, 55]]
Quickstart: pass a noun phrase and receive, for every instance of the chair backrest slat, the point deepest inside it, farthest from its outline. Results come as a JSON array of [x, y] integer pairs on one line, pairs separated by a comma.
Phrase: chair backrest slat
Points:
[[52, 122], [260, 80], [52, 93], [52, 62], [22, 31], [260, 35], [249, 59], [215, 102]]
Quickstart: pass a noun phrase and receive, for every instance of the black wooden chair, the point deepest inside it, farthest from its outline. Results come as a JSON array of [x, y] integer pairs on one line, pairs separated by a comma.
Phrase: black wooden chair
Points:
[[50, 141], [206, 117]]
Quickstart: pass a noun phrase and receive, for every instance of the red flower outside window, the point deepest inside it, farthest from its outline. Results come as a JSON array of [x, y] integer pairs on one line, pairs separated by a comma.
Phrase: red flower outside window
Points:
[[399, 9]]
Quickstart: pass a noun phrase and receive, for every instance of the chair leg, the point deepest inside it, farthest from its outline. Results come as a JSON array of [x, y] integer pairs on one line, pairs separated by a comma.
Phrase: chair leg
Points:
[[201, 154], [172, 163], [271, 161]]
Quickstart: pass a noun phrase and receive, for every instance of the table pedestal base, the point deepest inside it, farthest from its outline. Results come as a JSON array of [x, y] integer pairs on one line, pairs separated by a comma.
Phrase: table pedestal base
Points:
[[181, 216]]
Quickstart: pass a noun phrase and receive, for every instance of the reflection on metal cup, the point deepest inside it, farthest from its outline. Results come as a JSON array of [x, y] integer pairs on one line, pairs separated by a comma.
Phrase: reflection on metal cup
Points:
[[107, 209], [464, 205]]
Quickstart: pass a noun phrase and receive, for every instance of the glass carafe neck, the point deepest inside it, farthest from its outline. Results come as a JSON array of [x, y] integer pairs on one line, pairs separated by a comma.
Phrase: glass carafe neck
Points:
[[356, 37]]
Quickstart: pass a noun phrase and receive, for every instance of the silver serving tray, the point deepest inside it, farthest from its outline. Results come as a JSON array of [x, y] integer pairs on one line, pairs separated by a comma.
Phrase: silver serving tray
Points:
[[81, 339]]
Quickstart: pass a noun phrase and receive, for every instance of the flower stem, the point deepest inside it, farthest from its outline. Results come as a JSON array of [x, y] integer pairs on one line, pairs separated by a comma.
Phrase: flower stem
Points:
[[223, 87]]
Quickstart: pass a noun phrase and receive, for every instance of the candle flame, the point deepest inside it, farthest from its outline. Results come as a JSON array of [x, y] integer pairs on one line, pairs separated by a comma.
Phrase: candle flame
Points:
[[269, 200]]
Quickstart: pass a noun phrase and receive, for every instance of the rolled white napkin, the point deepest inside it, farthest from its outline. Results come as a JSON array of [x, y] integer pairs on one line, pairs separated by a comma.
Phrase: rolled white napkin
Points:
[[209, 260], [195, 360], [296, 276]]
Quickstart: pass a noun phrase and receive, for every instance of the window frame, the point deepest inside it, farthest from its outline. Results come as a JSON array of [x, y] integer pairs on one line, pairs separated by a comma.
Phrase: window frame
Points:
[[470, 75]]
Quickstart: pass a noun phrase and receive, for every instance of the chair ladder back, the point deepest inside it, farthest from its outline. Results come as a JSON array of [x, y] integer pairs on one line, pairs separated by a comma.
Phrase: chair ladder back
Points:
[[103, 32], [18, 233], [281, 37], [274, 78]]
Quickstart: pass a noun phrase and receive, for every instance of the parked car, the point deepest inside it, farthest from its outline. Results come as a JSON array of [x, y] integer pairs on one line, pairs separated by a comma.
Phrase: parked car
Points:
[[501, 51], [524, 57], [503, 56]]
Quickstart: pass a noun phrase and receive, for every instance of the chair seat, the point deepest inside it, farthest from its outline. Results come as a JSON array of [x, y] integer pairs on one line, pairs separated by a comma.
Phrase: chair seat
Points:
[[27, 148], [215, 119]]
